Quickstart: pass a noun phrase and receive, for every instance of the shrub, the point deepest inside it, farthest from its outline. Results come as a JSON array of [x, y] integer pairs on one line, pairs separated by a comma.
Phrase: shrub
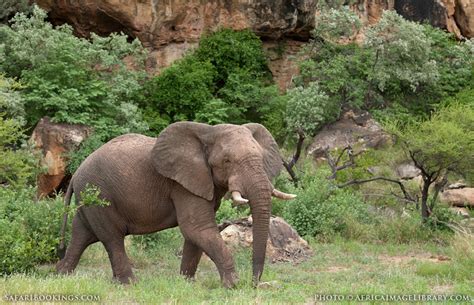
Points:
[[309, 109], [11, 102], [321, 209], [29, 231], [230, 51], [181, 90], [8, 8], [227, 212], [225, 80], [18, 166], [155, 241], [69, 78]]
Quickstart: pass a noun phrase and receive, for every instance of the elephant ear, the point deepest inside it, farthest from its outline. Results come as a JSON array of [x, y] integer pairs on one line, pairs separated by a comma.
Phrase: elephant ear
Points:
[[272, 158], [179, 154]]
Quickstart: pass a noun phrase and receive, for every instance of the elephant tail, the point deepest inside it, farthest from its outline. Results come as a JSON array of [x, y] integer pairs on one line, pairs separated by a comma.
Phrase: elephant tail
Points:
[[67, 201]]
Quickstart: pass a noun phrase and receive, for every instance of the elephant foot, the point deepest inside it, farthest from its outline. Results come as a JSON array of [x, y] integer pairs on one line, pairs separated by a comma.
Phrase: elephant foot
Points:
[[64, 267], [125, 279], [230, 280]]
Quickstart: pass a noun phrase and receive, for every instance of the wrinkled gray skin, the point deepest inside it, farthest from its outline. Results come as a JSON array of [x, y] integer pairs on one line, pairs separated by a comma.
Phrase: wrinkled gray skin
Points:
[[176, 179]]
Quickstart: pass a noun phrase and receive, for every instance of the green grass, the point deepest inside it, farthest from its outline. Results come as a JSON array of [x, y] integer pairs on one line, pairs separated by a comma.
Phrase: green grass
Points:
[[341, 267]]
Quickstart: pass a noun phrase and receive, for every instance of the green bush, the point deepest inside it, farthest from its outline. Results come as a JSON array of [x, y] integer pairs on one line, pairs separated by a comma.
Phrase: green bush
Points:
[[231, 51], [227, 212], [309, 109], [154, 241], [321, 209], [11, 101], [455, 62], [8, 8], [225, 80], [69, 78], [18, 165], [181, 90], [29, 231], [403, 66]]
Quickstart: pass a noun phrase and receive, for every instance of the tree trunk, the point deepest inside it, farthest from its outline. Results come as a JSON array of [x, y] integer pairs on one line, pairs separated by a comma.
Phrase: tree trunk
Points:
[[425, 212]]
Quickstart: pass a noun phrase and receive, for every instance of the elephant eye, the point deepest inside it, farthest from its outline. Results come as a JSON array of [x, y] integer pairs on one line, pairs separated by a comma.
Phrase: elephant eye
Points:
[[227, 161]]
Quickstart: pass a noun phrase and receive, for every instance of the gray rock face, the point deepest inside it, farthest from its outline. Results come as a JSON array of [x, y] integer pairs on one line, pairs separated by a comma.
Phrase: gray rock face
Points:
[[407, 171], [459, 197], [354, 129], [284, 243]]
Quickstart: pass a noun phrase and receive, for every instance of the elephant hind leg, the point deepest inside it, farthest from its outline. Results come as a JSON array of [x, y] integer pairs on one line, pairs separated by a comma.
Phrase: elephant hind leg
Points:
[[121, 266], [82, 237]]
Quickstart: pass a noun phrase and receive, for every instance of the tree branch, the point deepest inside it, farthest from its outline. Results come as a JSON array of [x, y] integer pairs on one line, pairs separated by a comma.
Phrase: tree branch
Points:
[[292, 162], [400, 184]]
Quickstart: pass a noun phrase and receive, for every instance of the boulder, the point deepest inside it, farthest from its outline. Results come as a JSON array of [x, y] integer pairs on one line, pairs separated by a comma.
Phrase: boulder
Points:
[[463, 212], [407, 171], [284, 243], [457, 185], [459, 197], [354, 128], [54, 141]]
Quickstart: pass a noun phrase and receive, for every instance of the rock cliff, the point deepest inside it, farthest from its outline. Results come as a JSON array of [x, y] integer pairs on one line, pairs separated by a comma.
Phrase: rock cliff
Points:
[[170, 28]]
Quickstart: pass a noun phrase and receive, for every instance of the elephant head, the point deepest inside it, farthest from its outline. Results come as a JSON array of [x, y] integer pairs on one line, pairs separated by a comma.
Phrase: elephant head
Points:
[[239, 159]]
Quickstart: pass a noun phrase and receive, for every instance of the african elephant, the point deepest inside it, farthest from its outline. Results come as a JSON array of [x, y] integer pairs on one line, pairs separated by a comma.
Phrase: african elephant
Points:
[[175, 179]]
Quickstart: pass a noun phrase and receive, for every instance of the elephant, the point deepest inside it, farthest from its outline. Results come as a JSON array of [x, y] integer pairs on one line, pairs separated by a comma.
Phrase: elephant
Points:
[[175, 179]]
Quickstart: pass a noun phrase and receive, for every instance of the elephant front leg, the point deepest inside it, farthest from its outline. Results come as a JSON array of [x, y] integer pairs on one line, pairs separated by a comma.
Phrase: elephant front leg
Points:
[[196, 218], [191, 257], [213, 245]]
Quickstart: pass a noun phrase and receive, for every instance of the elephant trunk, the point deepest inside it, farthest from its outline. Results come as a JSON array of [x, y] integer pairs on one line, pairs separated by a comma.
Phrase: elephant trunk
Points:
[[261, 211], [258, 190]]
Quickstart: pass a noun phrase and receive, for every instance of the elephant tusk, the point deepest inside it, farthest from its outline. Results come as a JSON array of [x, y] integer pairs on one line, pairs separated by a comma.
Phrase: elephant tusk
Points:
[[237, 198], [278, 194]]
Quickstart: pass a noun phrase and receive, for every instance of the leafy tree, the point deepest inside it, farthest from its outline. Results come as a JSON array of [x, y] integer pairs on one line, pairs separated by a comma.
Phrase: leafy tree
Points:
[[72, 80], [439, 146], [402, 53], [230, 51], [225, 80], [309, 109], [455, 61], [336, 24], [68, 78], [181, 90], [8, 8], [402, 65], [11, 102], [18, 166]]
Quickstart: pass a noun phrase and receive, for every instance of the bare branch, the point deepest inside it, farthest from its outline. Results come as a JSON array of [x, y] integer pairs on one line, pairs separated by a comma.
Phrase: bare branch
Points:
[[299, 146], [292, 162], [400, 184], [334, 164]]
